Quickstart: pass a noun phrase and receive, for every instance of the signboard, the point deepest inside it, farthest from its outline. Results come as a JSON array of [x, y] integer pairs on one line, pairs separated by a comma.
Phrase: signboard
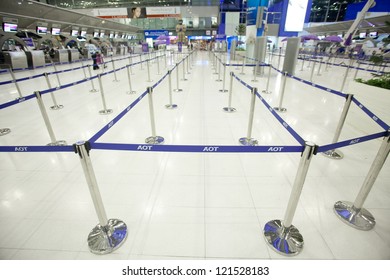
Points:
[[251, 15], [220, 37], [155, 33], [111, 13], [161, 12], [296, 11]]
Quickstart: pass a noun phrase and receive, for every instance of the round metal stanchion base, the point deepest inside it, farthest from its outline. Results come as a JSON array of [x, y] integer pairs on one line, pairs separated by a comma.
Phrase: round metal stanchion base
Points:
[[171, 106], [105, 112], [57, 107], [4, 131], [266, 92], [105, 239], [254, 80], [58, 143], [177, 90], [357, 218], [280, 109], [184, 80], [149, 81], [215, 73], [115, 80], [155, 140], [283, 240], [333, 154], [223, 90], [218, 80], [94, 90], [248, 141], [229, 109], [131, 92]]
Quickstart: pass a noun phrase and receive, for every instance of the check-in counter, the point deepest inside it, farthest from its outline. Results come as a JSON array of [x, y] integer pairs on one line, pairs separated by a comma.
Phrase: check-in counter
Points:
[[61, 56], [15, 59], [73, 55], [138, 49], [35, 59]]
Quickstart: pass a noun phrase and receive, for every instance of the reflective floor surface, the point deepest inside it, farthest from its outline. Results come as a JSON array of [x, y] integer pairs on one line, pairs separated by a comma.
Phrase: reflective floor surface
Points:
[[189, 205]]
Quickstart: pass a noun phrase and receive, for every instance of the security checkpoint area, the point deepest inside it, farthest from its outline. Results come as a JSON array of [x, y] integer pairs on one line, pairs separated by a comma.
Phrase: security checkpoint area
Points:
[[194, 155]]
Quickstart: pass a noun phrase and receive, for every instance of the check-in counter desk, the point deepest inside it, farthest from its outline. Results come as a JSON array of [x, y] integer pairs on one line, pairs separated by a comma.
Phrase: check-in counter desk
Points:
[[138, 49], [87, 53], [61, 56], [15, 59], [73, 55], [35, 59], [122, 50]]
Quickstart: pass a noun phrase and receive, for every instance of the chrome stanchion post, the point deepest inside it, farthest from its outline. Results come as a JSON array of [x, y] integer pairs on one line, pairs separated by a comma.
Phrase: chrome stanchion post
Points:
[[15, 82], [165, 59], [312, 70], [327, 63], [248, 141], [177, 79], [254, 72], [83, 67], [335, 154], [131, 91], [280, 55], [281, 235], [90, 76], [170, 105], [223, 80], [280, 108], [109, 234], [130, 64], [158, 65], [57, 76], [55, 106], [54, 142], [303, 62], [219, 72], [147, 65], [105, 111], [229, 108], [345, 78], [154, 139], [357, 69], [354, 214], [319, 68], [113, 67], [141, 62], [184, 70], [188, 64], [243, 65], [266, 91]]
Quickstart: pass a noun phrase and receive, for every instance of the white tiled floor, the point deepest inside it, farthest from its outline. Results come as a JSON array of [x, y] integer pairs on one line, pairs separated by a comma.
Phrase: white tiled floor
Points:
[[188, 205]]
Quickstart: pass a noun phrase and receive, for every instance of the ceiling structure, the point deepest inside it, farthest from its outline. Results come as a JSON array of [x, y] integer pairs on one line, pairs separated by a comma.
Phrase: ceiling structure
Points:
[[29, 12], [368, 24]]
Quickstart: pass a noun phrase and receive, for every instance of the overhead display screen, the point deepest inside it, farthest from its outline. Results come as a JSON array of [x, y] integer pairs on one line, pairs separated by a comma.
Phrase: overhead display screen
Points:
[[296, 12]]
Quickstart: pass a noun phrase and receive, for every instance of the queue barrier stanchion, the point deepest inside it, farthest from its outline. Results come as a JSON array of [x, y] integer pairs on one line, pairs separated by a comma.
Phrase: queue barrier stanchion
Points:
[[57, 76], [248, 140], [254, 72], [109, 234], [319, 68], [49, 128], [158, 65], [15, 82], [184, 70], [130, 63], [335, 154], [148, 67], [219, 72], [105, 111], [280, 55], [188, 64], [328, 63], [303, 62], [266, 91], [223, 80], [357, 69], [345, 77], [312, 70], [4, 131], [113, 67], [281, 235], [83, 67], [141, 62], [165, 60], [55, 106], [282, 89], [243, 65], [353, 214], [229, 108], [154, 139], [178, 89], [90, 76], [131, 91], [170, 105]]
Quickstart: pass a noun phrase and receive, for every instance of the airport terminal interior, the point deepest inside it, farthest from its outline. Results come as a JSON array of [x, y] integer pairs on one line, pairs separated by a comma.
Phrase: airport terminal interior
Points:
[[201, 147]]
